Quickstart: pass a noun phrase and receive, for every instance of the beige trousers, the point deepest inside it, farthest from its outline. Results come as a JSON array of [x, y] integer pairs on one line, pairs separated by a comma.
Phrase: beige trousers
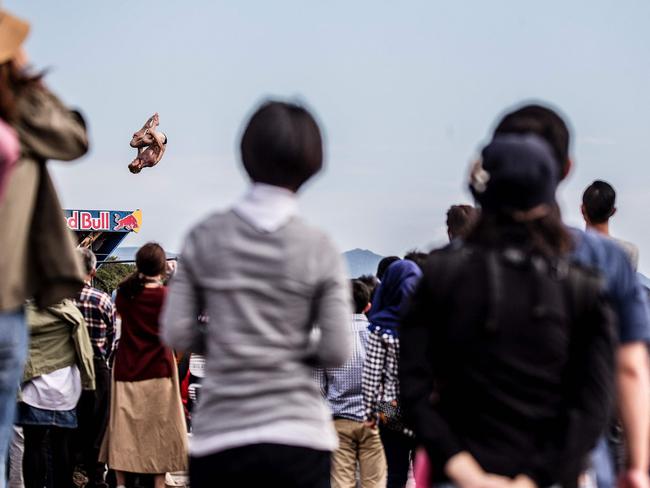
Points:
[[358, 443]]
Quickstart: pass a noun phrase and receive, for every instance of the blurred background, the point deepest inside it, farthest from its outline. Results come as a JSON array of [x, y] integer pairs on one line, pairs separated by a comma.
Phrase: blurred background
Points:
[[406, 95]]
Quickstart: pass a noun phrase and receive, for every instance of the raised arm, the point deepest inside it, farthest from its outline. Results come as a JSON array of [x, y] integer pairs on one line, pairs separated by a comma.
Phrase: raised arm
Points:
[[48, 129]]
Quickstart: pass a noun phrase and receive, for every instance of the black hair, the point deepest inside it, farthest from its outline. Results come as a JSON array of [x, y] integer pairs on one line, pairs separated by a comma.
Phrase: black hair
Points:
[[461, 220], [540, 120], [360, 295], [599, 202], [282, 145], [150, 261], [370, 281], [417, 257], [384, 264]]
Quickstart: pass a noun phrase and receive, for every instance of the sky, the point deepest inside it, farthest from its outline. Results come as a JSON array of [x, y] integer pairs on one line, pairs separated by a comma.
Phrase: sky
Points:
[[406, 94]]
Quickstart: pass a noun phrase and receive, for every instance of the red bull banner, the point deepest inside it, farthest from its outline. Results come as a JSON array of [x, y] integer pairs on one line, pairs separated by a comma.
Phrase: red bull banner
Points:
[[104, 220]]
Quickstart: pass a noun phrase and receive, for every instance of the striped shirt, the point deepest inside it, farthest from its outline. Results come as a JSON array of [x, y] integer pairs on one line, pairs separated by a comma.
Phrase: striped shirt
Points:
[[341, 386], [99, 313]]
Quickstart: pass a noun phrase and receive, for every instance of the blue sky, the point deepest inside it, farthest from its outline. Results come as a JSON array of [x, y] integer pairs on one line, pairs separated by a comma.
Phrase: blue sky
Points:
[[406, 94]]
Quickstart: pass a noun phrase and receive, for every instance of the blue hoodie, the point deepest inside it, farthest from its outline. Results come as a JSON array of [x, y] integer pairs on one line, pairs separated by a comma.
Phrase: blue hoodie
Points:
[[392, 296]]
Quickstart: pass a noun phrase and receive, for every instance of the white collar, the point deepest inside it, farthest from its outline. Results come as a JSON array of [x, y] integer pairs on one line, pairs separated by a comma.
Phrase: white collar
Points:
[[267, 207]]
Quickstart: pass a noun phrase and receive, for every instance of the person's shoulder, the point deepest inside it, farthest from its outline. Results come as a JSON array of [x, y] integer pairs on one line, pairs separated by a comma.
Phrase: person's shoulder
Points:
[[97, 294], [97, 297], [591, 245], [299, 224], [452, 254], [311, 236], [206, 233], [213, 221]]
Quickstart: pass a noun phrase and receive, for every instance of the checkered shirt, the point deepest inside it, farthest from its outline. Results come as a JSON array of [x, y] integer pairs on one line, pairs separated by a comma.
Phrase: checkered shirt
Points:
[[380, 374], [99, 312], [341, 386]]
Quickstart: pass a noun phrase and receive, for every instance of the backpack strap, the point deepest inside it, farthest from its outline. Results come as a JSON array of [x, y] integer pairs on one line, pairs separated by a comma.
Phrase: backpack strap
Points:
[[584, 287]]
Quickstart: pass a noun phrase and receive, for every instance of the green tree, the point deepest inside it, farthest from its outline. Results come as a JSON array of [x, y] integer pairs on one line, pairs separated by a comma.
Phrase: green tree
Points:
[[109, 274]]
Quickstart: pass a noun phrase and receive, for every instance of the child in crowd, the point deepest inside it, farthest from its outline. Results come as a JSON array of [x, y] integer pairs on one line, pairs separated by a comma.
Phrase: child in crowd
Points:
[[341, 388], [265, 278]]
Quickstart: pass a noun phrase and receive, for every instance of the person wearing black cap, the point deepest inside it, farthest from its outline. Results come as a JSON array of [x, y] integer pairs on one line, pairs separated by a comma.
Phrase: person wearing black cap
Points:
[[630, 304], [508, 349]]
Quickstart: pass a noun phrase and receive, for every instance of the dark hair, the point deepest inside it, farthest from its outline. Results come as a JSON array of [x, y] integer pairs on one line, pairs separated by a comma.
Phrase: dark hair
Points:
[[460, 220], [370, 281], [546, 236], [360, 295], [89, 260], [417, 257], [282, 145], [150, 261], [384, 264], [599, 202], [540, 120], [13, 82]]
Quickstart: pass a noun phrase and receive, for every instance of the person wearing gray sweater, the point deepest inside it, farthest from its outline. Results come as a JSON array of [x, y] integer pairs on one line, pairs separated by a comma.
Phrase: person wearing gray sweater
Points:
[[278, 302]]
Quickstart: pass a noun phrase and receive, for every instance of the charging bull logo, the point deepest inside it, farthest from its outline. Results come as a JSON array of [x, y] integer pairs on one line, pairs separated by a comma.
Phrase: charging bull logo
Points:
[[131, 222]]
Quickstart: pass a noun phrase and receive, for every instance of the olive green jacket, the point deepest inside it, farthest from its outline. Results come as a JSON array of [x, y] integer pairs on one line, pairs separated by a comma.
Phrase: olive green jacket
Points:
[[59, 338], [37, 251]]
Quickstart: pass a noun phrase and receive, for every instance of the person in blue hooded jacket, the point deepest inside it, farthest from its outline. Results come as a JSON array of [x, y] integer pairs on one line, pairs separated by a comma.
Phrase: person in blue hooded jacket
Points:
[[380, 383]]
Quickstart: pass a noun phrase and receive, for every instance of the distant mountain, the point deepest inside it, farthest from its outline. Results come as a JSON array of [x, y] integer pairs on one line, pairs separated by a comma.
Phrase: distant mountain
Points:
[[127, 253], [361, 262]]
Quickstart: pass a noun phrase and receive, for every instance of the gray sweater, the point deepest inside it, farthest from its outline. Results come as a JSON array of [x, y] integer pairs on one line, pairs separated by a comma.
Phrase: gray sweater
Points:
[[264, 293]]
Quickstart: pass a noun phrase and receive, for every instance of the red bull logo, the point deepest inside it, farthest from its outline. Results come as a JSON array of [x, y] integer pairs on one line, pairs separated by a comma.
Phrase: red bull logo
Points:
[[103, 220], [84, 220], [131, 222]]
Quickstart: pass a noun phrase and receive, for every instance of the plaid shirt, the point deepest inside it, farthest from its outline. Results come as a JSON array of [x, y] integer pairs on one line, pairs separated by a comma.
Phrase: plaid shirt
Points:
[[380, 372], [341, 386], [99, 312]]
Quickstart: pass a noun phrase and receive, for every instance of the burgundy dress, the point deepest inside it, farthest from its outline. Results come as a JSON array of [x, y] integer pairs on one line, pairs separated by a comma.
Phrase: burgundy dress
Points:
[[141, 355], [146, 431]]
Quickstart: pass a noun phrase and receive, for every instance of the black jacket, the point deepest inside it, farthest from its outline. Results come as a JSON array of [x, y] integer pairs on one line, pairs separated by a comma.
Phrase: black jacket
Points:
[[508, 357]]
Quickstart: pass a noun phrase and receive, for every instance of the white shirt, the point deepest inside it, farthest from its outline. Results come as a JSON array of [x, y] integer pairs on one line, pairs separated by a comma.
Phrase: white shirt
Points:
[[59, 390], [267, 208]]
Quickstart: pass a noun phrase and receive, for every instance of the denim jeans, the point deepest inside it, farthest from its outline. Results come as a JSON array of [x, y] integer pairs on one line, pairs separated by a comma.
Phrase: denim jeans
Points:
[[13, 352]]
